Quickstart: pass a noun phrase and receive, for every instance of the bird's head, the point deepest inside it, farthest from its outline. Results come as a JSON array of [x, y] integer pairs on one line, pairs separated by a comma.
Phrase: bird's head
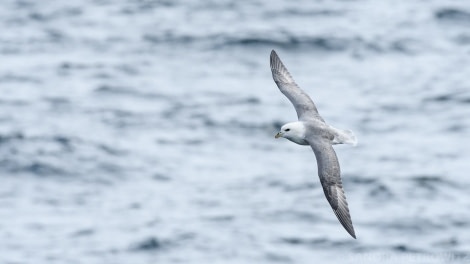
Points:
[[294, 131]]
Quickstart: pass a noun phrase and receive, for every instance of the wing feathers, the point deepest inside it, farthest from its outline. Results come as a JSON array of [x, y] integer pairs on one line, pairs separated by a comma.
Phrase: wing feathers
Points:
[[280, 72], [303, 105], [330, 178]]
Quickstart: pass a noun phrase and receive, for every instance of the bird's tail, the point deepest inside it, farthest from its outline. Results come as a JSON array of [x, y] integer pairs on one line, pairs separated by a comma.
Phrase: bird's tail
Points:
[[344, 137]]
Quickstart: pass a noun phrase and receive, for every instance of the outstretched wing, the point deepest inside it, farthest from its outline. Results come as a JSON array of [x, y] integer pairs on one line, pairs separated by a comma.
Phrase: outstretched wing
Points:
[[304, 106], [330, 178]]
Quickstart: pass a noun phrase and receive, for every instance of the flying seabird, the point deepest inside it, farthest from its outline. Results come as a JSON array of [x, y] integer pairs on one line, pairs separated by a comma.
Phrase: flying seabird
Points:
[[312, 130]]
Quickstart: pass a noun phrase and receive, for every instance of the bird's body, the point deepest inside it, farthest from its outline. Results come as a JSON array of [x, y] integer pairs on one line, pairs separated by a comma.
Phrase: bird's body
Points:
[[312, 130]]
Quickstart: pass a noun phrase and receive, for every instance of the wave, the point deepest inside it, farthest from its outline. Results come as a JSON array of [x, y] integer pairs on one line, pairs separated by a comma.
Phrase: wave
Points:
[[270, 40], [453, 15]]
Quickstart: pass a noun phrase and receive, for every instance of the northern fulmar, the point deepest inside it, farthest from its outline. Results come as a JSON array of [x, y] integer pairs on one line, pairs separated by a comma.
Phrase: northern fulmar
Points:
[[312, 130]]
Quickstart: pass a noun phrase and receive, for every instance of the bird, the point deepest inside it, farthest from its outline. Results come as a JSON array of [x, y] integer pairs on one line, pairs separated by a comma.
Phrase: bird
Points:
[[313, 131]]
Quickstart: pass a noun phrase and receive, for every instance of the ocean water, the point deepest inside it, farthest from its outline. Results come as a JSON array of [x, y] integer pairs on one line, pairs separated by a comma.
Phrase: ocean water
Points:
[[142, 131]]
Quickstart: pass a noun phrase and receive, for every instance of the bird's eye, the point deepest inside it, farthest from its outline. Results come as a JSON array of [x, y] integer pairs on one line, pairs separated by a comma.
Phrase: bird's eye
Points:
[[287, 130]]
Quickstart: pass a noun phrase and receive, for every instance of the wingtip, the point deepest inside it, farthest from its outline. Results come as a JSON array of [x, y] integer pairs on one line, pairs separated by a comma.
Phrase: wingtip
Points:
[[345, 220], [350, 231], [352, 234], [273, 57], [276, 63]]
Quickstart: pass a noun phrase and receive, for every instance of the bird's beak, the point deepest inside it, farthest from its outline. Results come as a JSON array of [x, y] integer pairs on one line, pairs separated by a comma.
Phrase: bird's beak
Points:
[[278, 135]]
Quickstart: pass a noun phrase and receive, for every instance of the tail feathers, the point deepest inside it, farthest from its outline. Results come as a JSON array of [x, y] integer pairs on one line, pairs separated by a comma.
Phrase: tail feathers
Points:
[[345, 137]]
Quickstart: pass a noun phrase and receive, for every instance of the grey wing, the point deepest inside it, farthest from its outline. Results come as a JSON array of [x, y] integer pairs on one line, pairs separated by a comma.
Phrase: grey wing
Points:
[[303, 104], [330, 178]]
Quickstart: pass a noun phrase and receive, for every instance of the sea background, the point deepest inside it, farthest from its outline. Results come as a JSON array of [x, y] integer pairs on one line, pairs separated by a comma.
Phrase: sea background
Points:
[[142, 131]]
